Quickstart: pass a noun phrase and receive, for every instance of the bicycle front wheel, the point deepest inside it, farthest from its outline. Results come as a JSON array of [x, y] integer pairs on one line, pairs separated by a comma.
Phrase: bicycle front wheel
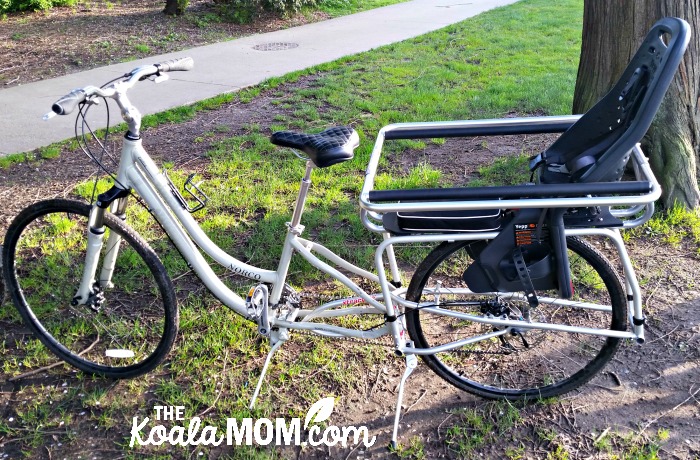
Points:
[[523, 363], [126, 328]]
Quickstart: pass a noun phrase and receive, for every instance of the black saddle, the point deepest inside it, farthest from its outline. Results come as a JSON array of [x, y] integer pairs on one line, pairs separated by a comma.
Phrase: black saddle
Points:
[[326, 148]]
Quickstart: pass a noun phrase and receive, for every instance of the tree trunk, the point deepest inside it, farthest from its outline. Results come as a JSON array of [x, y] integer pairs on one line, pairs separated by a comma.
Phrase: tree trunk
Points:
[[172, 8], [612, 32]]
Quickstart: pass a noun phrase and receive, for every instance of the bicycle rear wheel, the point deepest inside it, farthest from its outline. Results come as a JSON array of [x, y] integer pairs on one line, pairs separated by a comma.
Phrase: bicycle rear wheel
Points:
[[527, 364], [126, 329]]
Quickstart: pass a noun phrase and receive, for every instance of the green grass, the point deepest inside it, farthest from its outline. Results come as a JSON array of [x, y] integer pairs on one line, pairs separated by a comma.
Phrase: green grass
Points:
[[672, 226], [337, 8], [630, 446], [511, 170], [415, 450], [476, 427], [445, 75], [471, 433], [142, 48], [44, 153]]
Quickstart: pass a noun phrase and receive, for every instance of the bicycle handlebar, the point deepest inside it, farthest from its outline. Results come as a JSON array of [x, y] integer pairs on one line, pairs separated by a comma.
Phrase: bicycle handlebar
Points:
[[69, 102], [181, 64], [66, 104]]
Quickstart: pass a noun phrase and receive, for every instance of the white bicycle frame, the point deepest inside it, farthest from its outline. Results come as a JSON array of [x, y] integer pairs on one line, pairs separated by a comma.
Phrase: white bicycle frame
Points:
[[137, 171]]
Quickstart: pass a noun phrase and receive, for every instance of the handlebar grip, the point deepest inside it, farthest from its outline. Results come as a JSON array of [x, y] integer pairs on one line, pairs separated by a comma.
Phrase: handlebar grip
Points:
[[69, 102], [173, 65]]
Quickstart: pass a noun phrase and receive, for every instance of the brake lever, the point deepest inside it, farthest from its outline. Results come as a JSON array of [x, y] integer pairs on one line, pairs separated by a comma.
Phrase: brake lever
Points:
[[159, 78]]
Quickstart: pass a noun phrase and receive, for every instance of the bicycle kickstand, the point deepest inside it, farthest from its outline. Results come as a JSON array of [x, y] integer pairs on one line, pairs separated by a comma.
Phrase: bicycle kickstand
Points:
[[274, 348], [411, 363]]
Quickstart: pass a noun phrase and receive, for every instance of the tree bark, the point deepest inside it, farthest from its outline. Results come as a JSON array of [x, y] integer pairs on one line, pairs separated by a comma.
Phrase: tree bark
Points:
[[172, 8], [612, 32]]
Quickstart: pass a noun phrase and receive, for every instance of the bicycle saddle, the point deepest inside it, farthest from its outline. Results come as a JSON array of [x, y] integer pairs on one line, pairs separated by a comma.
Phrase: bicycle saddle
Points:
[[334, 145]]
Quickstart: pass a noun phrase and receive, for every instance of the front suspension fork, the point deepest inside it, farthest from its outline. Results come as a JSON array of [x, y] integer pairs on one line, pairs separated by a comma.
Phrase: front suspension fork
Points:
[[95, 242], [113, 241]]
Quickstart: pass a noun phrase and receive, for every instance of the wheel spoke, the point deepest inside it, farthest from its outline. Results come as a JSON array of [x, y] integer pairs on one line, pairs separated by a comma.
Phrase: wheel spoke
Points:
[[528, 362]]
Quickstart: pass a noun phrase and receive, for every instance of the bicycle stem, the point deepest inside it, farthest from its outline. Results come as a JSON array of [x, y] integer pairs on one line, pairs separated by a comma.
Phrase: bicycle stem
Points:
[[130, 114]]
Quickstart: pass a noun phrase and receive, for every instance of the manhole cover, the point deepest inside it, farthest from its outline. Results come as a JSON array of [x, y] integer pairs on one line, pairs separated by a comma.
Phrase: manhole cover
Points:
[[281, 46]]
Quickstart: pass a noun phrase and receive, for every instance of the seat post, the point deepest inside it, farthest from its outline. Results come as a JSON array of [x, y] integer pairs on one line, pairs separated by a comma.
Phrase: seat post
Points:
[[303, 191]]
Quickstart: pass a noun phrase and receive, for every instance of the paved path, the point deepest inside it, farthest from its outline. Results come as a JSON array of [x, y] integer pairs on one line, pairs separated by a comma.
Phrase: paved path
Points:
[[229, 66]]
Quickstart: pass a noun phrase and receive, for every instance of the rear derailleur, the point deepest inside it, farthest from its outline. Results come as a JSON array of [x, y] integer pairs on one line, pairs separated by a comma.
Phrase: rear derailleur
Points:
[[498, 309]]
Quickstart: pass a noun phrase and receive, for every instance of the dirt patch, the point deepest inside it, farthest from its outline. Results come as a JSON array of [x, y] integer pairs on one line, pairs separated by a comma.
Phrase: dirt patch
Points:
[[459, 159], [40, 45], [645, 389]]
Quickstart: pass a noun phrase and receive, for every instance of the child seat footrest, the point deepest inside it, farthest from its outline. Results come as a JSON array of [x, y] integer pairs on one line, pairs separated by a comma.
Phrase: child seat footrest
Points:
[[483, 220]]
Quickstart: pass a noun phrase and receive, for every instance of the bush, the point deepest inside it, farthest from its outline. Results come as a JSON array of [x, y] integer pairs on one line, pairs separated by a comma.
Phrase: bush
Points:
[[243, 11], [7, 6]]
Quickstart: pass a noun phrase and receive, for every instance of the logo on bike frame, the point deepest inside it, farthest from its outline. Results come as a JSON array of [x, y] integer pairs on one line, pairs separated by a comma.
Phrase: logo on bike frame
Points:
[[239, 271]]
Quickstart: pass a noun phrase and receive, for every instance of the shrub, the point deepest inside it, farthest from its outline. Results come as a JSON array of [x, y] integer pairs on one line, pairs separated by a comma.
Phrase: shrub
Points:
[[243, 11], [7, 6]]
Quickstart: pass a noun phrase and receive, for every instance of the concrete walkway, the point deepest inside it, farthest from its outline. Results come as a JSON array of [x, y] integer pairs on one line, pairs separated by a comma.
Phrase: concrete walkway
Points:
[[229, 66]]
